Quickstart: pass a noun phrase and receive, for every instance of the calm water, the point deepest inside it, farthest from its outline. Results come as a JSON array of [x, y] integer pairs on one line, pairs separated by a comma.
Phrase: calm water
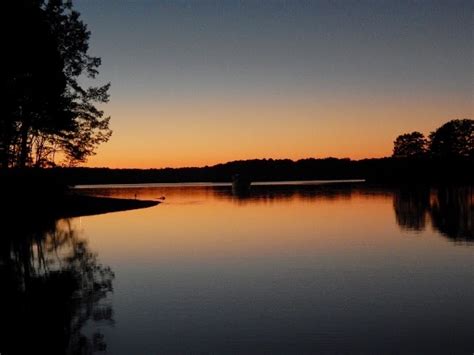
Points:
[[285, 269]]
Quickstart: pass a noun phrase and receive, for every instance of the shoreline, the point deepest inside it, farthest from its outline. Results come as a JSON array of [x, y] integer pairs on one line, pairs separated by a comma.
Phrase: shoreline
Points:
[[69, 205], [86, 205], [218, 184]]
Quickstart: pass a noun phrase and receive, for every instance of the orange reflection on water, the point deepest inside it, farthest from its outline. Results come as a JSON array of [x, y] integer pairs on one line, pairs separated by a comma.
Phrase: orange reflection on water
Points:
[[209, 223]]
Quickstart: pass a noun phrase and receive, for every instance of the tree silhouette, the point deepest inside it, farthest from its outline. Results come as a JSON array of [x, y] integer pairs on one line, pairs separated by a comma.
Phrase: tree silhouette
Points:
[[453, 139], [412, 144], [48, 114]]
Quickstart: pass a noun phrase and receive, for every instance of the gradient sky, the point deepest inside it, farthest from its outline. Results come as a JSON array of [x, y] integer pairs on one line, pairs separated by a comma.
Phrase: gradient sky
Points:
[[201, 82]]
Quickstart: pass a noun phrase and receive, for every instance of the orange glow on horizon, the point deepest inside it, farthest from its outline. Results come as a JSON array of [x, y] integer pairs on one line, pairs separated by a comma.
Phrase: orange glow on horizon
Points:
[[202, 132]]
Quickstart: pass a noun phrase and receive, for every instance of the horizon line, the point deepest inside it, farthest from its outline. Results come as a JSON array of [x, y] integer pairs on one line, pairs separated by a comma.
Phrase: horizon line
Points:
[[224, 163]]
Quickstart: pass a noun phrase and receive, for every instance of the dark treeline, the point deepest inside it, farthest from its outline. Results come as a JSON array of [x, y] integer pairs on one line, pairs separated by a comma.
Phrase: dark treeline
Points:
[[386, 170], [446, 156]]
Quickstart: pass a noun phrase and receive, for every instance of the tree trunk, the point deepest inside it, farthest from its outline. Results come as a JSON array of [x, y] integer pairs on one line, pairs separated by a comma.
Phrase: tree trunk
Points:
[[4, 156], [24, 149], [5, 143]]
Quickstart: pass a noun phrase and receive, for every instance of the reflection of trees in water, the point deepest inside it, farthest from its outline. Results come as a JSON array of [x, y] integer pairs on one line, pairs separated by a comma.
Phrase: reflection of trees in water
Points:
[[279, 193], [450, 209], [452, 213], [52, 285], [411, 207], [256, 193]]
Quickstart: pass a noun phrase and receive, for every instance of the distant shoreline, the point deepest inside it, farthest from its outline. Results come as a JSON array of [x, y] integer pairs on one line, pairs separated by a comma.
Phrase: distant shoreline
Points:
[[210, 183], [384, 170]]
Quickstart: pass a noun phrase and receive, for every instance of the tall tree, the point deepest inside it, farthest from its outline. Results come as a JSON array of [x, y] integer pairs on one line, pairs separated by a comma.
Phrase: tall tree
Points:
[[32, 80], [412, 144], [453, 139], [48, 112]]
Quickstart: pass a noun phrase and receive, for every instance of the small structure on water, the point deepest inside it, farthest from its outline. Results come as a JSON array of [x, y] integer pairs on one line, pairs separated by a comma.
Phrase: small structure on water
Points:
[[240, 184]]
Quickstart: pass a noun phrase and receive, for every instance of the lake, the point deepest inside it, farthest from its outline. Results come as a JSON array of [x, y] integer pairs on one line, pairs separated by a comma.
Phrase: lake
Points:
[[285, 268]]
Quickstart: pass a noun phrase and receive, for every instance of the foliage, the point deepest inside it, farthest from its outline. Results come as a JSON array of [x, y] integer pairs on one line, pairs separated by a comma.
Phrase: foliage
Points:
[[48, 112], [410, 145], [454, 138]]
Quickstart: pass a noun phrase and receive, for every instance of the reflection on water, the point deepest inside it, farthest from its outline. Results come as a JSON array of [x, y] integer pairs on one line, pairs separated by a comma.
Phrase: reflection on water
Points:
[[450, 210], [411, 206], [452, 213], [52, 285], [280, 269]]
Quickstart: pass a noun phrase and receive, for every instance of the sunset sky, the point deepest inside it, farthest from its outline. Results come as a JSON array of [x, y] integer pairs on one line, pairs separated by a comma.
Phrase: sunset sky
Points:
[[202, 82]]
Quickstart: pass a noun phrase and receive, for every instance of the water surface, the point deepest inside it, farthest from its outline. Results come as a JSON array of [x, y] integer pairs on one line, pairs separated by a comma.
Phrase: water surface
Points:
[[284, 269]]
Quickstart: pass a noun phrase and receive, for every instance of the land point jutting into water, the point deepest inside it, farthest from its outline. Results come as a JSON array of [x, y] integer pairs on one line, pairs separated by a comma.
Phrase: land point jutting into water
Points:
[[236, 177]]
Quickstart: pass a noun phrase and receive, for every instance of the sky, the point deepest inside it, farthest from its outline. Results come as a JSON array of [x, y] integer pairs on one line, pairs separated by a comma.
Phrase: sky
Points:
[[196, 83]]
